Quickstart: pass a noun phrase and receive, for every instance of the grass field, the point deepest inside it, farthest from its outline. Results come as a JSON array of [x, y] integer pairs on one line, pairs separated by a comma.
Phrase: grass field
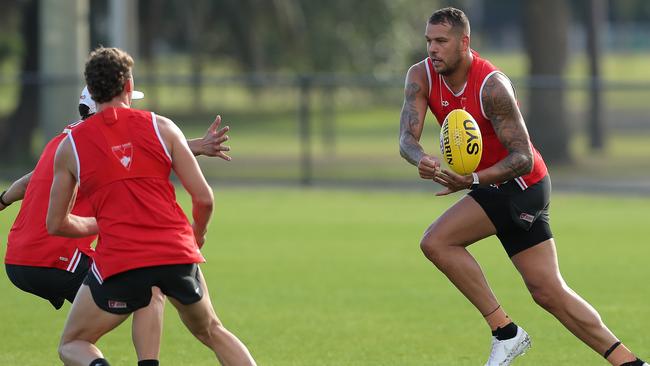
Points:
[[335, 277]]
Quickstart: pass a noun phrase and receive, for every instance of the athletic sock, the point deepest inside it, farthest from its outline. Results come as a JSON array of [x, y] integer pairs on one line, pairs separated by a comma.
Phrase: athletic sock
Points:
[[148, 363], [638, 362], [99, 362], [507, 332]]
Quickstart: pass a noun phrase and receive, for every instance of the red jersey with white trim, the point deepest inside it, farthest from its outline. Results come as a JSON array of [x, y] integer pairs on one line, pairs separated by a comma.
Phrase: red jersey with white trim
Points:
[[123, 169], [29, 244], [442, 101]]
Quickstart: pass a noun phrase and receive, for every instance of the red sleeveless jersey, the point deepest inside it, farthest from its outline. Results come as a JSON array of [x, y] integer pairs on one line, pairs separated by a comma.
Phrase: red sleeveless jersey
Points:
[[29, 244], [442, 101], [123, 169]]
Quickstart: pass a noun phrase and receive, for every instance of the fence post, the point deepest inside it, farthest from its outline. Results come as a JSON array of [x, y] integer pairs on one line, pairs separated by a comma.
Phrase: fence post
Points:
[[329, 121], [595, 124], [304, 126]]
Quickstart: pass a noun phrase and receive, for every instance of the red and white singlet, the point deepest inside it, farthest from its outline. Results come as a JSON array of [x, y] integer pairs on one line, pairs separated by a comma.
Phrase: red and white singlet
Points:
[[29, 244], [442, 101], [123, 169]]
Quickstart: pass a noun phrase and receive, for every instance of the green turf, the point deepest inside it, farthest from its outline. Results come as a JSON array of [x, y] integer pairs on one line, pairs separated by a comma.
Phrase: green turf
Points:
[[335, 277]]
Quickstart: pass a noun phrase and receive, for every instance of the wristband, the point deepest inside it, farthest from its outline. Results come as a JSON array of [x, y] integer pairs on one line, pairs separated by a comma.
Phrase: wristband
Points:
[[2, 201], [475, 183]]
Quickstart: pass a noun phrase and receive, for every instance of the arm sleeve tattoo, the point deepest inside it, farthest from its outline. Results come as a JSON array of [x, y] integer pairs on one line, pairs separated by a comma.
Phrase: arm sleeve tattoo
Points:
[[501, 108], [411, 126]]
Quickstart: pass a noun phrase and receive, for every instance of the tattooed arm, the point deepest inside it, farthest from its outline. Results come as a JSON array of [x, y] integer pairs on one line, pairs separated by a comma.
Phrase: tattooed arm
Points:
[[501, 108], [412, 122]]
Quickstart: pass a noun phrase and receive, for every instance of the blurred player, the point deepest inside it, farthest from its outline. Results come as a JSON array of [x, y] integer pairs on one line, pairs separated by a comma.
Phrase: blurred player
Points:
[[121, 159], [54, 267], [509, 197]]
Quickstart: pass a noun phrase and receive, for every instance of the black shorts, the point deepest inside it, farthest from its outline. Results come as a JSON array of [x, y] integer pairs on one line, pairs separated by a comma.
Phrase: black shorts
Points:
[[52, 284], [520, 217], [129, 291]]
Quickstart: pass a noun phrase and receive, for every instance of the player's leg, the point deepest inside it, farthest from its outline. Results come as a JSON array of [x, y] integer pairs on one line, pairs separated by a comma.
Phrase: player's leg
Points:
[[86, 323], [147, 328], [444, 243], [201, 319], [539, 268]]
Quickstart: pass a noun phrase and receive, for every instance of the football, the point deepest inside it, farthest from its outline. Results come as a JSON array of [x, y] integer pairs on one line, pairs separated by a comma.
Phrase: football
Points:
[[460, 142]]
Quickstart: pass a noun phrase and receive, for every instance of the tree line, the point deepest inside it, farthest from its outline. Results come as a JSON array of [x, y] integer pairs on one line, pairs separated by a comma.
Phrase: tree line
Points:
[[304, 36]]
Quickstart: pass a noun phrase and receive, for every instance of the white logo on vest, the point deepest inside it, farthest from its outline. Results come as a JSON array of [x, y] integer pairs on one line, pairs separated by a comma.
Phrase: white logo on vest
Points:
[[124, 154]]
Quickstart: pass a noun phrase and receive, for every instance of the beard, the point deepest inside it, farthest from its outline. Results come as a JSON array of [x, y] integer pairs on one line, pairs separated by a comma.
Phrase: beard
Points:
[[449, 66]]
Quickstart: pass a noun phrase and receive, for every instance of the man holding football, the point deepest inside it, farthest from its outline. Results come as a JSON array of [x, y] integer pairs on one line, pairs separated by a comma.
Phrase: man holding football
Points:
[[509, 192]]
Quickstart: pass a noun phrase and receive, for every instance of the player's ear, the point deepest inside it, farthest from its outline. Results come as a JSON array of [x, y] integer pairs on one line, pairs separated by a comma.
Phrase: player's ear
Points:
[[465, 42], [128, 85]]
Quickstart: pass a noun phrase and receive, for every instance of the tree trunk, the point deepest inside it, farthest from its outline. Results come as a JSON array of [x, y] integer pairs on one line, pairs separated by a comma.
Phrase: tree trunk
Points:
[[151, 12], [546, 25], [596, 128], [16, 137]]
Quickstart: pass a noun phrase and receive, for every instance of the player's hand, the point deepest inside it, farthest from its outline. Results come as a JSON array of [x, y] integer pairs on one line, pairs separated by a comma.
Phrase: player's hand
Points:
[[212, 143], [199, 237], [200, 240], [452, 182], [428, 167]]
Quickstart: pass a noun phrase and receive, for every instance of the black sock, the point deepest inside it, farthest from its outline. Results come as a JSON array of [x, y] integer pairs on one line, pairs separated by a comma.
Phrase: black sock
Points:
[[638, 362], [99, 362], [148, 363], [507, 332]]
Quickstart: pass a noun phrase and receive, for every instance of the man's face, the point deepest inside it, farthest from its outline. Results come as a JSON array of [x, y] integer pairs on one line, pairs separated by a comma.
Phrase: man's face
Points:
[[445, 47]]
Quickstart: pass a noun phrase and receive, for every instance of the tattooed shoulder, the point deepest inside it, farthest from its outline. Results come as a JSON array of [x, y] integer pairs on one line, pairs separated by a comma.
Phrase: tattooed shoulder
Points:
[[411, 91], [498, 98], [500, 107]]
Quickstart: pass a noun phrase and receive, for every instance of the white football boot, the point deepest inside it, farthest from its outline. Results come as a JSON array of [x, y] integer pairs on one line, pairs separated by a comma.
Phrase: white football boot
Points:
[[503, 352]]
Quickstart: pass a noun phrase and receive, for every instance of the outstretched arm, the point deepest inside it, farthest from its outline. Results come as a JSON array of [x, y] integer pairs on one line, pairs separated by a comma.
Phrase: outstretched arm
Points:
[[500, 106], [211, 143], [16, 190], [412, 123], [188, 171]]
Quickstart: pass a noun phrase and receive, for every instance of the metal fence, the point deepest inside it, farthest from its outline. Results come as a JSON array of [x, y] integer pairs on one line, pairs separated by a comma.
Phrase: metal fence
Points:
[[343, 129]]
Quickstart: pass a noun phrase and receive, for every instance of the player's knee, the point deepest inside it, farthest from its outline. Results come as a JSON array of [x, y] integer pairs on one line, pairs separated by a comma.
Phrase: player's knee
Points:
[[63, 351], [210, 333], [432, 246], [546, 297]]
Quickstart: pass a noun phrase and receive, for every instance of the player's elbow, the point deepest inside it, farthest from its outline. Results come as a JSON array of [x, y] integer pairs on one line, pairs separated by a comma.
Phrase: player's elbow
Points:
[[526, 163], [402, 152], [204, 200], [53, 225], [402, 146]]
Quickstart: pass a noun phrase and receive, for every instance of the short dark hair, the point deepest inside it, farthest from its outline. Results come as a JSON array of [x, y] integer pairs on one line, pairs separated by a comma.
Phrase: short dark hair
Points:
[[452, 16], [106, 72]]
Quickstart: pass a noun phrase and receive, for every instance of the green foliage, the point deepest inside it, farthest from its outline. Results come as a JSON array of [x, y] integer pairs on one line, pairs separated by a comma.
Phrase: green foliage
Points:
[[336, 277], [10, 41]]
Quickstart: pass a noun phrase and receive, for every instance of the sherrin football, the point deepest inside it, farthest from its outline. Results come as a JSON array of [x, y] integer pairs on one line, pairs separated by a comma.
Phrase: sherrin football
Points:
[[460, 142]]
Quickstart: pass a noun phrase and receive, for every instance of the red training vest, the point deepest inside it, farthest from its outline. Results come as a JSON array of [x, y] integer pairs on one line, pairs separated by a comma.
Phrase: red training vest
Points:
[[29, 244], [123, 169], [442, 101]]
